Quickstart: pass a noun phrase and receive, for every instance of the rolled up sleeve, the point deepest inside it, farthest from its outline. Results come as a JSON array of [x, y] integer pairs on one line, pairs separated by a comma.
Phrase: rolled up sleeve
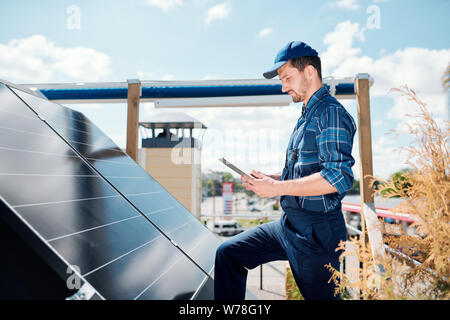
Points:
[[335, 142]]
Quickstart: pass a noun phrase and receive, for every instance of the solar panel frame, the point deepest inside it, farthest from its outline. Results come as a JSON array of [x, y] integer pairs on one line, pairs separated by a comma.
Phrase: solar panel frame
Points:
[[143, 184], [15, 219]]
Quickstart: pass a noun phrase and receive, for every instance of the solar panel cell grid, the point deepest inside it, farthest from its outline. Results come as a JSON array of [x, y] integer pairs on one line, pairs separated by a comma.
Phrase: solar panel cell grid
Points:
[[81, 217], [144, 192]]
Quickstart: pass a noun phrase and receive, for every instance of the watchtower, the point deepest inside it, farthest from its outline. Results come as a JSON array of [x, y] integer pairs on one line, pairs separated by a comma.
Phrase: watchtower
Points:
[[171, 153]]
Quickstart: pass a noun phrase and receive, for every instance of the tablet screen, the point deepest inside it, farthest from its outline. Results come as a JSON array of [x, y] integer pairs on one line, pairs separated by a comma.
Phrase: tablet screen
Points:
[[233, 167]]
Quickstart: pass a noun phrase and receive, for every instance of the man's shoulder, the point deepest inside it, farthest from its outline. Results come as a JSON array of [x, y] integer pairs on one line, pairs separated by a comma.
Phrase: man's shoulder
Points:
[[331, 109], [329, 103]]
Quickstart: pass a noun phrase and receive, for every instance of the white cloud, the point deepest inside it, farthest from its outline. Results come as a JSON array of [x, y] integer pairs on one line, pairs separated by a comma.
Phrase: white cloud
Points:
[[165, 5], [265, 32], [403, 106], [345, 4], [201, 2], [220, 11], [340, 45], [37, 59], [419, 68], [387, 157], [168, 77], [144, 75], [377, 123], [210, 77], [436, 104]]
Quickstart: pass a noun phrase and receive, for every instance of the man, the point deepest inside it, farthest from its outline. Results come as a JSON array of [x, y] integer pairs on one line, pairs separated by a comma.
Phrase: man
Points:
[[316, 176]]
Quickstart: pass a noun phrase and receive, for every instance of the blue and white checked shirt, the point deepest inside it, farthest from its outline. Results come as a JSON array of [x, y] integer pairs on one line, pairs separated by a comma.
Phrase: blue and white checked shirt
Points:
[[324, 145]]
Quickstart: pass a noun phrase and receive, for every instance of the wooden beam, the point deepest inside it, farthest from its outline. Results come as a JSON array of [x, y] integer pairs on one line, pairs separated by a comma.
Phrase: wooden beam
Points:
[[364, 133], [365, 139], [369, 217], [374, 231], [134, 93]]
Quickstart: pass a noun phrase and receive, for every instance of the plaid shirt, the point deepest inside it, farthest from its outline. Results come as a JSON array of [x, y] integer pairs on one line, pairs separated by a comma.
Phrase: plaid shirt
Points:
[[321, 142]]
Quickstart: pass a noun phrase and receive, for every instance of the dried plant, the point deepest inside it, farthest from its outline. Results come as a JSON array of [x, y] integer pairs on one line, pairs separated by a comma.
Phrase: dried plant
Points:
[[292, 291], [426, 191]]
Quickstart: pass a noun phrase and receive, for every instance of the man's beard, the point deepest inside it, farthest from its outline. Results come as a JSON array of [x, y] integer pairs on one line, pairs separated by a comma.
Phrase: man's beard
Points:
[[296, 97]]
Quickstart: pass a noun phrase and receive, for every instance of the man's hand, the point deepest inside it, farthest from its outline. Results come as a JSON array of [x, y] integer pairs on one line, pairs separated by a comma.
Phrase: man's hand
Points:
[[263, 185]]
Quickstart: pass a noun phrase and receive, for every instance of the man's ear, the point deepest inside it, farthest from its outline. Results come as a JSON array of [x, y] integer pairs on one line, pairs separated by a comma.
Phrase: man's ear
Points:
[[309, 71]]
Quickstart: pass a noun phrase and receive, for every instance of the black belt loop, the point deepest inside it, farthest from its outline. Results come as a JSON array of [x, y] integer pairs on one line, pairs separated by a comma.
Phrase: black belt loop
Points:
[[294, 157], [294, 154], [286, 159]]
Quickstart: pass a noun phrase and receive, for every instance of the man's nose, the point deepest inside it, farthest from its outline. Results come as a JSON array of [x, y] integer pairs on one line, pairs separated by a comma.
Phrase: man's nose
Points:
[[284, 87]]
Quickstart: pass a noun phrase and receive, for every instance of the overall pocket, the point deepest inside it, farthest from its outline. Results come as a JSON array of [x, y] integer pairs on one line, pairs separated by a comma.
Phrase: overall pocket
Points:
[[302, 239], [322, 235]]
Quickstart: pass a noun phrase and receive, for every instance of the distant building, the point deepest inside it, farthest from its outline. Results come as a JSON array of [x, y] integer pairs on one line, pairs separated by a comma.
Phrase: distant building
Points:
[[172, 155]]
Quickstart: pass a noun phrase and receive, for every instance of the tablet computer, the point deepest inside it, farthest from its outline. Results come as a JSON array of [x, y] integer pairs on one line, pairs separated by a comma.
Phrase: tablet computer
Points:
[[234, 168]]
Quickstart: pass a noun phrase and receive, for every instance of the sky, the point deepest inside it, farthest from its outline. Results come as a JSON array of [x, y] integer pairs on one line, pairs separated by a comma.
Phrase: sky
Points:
[[397, 42]]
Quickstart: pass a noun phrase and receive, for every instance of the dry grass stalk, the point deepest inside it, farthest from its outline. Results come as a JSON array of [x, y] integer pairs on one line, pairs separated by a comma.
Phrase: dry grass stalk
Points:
[[426, 191]]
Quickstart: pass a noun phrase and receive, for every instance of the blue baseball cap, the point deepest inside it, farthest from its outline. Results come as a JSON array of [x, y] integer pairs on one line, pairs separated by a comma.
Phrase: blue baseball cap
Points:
[[293, 49]]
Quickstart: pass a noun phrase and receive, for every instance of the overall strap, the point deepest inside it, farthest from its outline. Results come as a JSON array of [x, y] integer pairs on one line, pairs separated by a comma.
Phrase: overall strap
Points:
[[296, 136]]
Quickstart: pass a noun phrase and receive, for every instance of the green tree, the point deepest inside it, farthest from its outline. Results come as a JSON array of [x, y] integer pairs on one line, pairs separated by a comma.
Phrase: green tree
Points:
[[210, 185], [355, 188], [227, 177], [398, 184]]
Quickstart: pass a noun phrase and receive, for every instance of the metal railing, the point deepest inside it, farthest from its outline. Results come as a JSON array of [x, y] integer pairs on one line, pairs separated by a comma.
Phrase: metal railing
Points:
[[391, 250]]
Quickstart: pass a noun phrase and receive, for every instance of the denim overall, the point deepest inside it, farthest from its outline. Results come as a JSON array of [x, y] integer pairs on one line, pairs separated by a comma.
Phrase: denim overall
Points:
[[313, 235], [306, 238]]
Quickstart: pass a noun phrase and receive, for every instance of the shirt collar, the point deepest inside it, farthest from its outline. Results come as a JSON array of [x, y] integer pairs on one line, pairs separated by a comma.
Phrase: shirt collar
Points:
[[319, 94]]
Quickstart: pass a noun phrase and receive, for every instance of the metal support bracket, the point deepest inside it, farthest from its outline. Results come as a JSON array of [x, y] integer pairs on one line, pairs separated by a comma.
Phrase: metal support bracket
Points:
[[86, 292]]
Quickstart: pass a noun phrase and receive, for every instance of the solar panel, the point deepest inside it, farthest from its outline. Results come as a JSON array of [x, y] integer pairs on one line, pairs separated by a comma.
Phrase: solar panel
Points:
[[74, 217], [130, 179]]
